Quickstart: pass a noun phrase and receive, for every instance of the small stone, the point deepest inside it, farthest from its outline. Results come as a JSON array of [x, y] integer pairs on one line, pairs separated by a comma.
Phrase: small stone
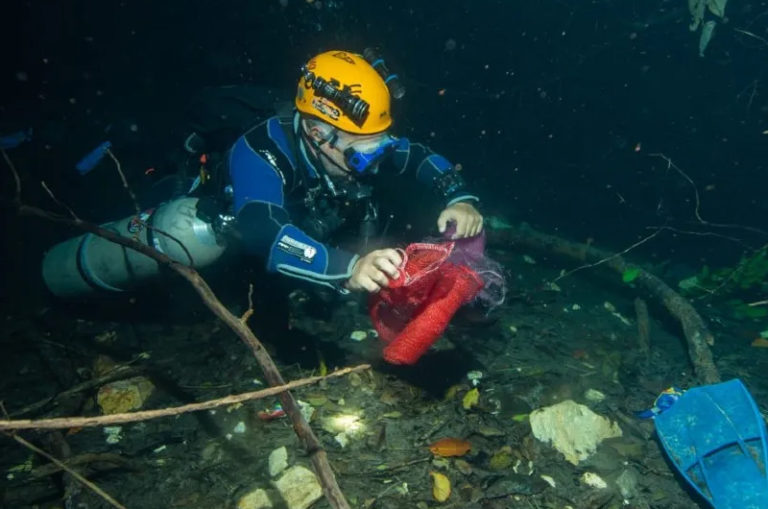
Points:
[[593, 480], [342, 439], [124, 395], [358, 335], [278, 461], [627, 483], [549, 480], [299, 487], [306, 409], [239, 428], [489, 431], [594, 396], [114, 434], [256, 499]]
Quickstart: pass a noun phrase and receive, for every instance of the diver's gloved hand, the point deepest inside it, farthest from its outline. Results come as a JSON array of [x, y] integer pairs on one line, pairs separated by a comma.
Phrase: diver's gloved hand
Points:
[[469, 222], [373, 271]]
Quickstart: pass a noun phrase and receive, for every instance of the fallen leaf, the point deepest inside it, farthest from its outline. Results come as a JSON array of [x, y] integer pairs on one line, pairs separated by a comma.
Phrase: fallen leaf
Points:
[[450, 447], [450, 393], [470, 399], [441, 486], [463, 467], [760, 343]]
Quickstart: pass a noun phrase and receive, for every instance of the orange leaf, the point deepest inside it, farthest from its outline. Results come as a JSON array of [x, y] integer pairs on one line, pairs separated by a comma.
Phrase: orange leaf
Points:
[[450, 447], [760, 343]]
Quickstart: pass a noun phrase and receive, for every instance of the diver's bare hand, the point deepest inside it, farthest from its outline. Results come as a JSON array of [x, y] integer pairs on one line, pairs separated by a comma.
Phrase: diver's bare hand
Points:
[[373, 271], [469, 222]]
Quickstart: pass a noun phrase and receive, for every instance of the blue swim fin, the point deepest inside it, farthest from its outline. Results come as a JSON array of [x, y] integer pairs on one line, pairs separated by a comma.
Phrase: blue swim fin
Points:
[[716, 438]]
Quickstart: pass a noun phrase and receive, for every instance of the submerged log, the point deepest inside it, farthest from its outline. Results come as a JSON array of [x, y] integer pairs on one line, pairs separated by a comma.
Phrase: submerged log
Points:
[[696, 332]]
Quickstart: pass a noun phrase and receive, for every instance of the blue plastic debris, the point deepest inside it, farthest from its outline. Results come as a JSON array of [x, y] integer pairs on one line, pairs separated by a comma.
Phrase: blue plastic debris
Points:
[[716, 438], [13, 140], [666, 399], [89, 162]]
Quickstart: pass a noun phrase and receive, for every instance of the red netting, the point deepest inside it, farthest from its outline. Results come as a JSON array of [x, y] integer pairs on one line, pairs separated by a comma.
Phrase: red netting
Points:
[[412, 313]]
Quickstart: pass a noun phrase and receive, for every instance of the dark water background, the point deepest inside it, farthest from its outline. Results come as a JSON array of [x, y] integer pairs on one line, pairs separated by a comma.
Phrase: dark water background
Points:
[[544, 104], [563, 114]]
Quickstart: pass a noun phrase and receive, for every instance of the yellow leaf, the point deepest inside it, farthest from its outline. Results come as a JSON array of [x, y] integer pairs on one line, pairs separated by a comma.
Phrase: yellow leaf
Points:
[[451, 392], [470, 399], [441, 486], [322, 368]]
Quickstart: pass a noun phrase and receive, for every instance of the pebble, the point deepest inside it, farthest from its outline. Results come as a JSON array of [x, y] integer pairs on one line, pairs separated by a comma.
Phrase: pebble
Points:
[[256, 499], [278, 461], [299, 487]]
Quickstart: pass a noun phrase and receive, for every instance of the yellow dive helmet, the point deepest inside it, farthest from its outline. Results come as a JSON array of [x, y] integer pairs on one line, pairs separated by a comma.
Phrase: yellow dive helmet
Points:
[[344, 90]]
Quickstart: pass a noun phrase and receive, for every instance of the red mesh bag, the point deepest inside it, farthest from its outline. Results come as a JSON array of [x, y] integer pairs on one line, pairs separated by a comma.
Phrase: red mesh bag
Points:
[[412, 313]]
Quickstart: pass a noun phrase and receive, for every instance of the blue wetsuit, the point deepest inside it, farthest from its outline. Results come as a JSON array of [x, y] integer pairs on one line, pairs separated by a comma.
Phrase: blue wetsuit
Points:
[[272, 179]]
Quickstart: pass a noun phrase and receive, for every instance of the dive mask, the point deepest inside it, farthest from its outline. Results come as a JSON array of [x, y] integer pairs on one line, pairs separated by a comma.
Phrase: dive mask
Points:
[[364, 157]]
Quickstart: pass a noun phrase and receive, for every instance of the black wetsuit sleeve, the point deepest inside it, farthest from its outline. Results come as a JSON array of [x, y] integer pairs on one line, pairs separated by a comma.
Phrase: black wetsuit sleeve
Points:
[[432, 170]]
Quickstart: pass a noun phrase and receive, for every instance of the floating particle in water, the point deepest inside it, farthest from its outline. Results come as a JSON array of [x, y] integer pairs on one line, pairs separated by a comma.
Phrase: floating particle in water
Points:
[[22, 76], [283, 3], [450, 45]]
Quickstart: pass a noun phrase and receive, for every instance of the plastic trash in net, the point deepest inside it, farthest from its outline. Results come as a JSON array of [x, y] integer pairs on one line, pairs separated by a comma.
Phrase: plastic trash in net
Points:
[[435, 280]]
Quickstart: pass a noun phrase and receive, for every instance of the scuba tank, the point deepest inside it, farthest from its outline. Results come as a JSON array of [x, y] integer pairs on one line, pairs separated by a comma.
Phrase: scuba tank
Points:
[[88, 264]]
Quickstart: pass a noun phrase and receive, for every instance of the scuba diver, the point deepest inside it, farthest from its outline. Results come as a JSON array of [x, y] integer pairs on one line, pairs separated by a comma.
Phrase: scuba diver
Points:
[[286, 188], [296, 180]]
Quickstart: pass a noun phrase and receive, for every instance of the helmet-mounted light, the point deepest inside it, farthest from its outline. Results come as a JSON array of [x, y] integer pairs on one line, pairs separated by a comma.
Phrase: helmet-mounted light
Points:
[[354, 107]]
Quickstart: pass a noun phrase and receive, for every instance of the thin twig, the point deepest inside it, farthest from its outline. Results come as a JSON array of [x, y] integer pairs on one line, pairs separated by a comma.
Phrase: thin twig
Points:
[[56, 200], [125, 181], [103, 494], [249, 311], [697, 207], [608, 258], [750, 34], [104, 420], [16, 178]]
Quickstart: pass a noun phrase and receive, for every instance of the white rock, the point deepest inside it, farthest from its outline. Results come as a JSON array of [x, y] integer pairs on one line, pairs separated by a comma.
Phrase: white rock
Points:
[[299, 487], [256, 499], [278, 461], [593, 480], [594, 396], [239, 427], [114, 434], [549, 480], [572, 429], [342, 439], [627, 483], [358, 335], [307, 410]]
